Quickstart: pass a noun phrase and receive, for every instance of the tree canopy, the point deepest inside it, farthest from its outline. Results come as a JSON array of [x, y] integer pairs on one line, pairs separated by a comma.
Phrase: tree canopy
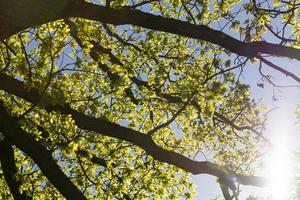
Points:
[[116, 99]]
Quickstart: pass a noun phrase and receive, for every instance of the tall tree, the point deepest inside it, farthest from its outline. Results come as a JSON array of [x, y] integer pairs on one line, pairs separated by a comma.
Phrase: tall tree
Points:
[[116, 99]]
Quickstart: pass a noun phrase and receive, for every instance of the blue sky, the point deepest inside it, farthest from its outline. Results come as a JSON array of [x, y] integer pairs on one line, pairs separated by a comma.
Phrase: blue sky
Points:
[[283, 116], [287, 102], [288, 99]]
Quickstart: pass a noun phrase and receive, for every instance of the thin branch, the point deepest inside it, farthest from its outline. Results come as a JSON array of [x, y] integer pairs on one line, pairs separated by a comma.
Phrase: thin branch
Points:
[[276, 67], [140, 4], [94, 159], [84, 171], [145, 142], [151, 132]]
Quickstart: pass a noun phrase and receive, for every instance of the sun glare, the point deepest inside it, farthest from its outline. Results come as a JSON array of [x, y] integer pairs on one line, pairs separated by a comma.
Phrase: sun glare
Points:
[[279, 172], [279, 163]]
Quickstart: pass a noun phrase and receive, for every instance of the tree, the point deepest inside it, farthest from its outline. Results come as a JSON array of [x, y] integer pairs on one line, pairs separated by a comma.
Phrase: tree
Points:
[[115, 99]]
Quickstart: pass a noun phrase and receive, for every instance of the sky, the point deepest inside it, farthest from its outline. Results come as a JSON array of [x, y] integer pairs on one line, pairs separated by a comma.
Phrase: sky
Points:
[[280, 124], [281, 127]]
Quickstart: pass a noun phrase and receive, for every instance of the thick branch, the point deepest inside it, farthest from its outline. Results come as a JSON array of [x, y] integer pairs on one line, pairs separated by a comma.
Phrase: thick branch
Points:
[[18, 15], [107, 128], [99, 49], [225, 191], [36, 12], [159, 23], [40, 155], [9, 169]]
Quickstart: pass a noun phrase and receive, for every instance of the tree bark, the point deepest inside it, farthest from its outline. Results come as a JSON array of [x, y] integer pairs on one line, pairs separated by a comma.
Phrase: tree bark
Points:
[[31, 13], [18, 15], [40, 155], [144, 141], [9, 169]]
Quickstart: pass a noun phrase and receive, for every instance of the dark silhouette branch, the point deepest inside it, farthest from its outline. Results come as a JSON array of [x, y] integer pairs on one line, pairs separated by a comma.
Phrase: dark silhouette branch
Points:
[[94, 159], [225, 192], [276, 67], [99, 49], [40, 155], [168, 122], [159, 23], [107, 128], [10, 171], [141, 4], [35, 12]]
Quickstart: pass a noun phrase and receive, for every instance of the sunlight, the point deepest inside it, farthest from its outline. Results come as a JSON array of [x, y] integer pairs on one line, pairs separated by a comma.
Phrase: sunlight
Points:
[[279, 162], [279, 172]]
